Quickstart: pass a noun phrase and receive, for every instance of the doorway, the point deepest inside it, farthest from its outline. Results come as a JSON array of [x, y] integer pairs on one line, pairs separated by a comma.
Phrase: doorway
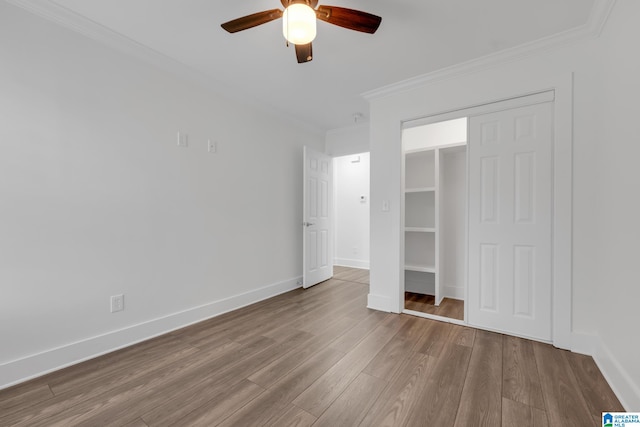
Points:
[[434, 218], [351, 211]]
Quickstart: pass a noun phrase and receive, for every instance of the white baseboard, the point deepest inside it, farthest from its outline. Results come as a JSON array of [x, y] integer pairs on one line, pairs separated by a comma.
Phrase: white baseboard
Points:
[[623, 385], [379, 302], [454, 292], [626, 388], [353, 263], [33, 366], [419, 287]]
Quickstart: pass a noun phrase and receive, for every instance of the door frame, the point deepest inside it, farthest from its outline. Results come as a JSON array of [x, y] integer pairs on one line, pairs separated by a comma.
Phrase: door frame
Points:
[[562, 174]]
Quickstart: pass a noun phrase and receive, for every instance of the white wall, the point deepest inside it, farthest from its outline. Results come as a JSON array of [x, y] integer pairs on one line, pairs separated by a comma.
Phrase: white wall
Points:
[[351, 181], [617, 285], [605, 209], [453, 222], [348, 140], [98, 200]]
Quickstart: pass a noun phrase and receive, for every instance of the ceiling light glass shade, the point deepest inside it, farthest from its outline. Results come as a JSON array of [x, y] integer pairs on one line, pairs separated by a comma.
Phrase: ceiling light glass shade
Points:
[[299, 24]]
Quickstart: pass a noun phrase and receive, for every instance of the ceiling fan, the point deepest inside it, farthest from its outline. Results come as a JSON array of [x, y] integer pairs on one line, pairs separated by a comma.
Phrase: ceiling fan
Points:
[[299, 22]]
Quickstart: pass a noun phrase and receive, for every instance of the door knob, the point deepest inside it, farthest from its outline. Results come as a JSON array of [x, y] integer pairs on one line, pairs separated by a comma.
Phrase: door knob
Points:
[[307, 224]]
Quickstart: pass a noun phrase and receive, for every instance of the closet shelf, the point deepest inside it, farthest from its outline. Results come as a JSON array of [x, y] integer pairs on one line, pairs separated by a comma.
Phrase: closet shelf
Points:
[[420, 229], [420, 190], [422, 269]]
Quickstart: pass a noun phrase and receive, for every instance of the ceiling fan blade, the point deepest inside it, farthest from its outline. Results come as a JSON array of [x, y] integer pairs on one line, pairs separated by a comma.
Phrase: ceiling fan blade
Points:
[[304, 53], [349, 18], [251, 21]]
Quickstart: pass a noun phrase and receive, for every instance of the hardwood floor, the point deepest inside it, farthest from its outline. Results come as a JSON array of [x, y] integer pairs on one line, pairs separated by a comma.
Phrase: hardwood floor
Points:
[[449, 307], [351, 274], [319, 357]]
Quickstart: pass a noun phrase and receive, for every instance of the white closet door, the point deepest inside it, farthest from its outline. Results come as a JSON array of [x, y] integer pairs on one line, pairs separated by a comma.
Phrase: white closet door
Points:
[[510, 183]]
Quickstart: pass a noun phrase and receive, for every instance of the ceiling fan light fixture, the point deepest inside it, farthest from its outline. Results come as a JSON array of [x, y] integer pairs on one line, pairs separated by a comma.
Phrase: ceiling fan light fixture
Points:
[[299, 24]]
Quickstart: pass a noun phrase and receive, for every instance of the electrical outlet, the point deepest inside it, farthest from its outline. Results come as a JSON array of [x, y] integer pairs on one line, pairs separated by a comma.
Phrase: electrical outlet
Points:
[[117, 303], [212, 146]]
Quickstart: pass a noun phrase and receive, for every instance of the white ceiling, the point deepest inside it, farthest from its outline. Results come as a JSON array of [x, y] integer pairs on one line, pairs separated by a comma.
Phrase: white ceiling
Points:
[[416, 37]]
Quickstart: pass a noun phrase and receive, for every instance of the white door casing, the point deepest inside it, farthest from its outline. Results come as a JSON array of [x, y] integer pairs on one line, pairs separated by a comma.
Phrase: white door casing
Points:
[[510, 221], [317, 222]]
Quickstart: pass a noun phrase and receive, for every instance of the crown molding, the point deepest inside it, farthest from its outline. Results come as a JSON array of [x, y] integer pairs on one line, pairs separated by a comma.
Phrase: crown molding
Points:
[[78, 23], [591, 29], [73, 21], [599, 16], [64, 17]]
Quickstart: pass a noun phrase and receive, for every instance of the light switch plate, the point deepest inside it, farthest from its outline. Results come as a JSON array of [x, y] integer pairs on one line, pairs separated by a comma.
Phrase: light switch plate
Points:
[[183, 140]]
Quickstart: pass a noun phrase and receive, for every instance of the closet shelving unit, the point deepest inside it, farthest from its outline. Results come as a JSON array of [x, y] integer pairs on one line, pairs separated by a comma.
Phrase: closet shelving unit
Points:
[[420, 220], [424, 207]]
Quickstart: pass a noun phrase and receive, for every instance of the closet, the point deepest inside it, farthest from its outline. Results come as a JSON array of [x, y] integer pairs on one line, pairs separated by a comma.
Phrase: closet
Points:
[[489, 246], [434, 211]]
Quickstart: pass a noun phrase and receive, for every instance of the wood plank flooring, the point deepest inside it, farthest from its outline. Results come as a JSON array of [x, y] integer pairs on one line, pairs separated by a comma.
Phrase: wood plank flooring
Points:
[[449, 307], [319, 357]]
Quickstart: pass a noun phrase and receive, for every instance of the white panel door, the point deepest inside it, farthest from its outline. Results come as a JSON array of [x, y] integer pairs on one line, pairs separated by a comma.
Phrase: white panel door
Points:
[[317, 222], [510, 208]]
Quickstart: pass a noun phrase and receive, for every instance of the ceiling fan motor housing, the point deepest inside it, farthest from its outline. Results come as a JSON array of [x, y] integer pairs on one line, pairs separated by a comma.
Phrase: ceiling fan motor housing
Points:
[[311, 3], [299, 23]]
